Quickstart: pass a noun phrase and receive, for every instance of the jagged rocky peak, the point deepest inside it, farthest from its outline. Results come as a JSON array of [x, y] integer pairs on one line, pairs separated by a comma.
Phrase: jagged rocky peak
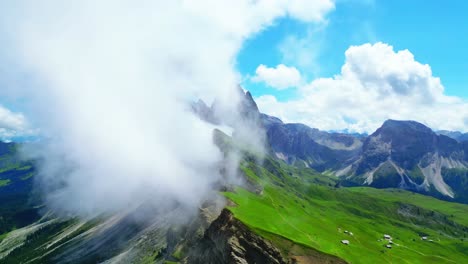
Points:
[[201, 109], [248, 109], [217, 113], [247, 101]]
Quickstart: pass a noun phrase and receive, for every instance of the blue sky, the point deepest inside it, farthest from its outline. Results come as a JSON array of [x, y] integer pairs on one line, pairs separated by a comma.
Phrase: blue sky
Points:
[[435, 32]]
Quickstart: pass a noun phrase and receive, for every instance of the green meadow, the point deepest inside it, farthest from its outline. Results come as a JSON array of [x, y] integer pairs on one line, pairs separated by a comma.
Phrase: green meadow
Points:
[[310, 209]]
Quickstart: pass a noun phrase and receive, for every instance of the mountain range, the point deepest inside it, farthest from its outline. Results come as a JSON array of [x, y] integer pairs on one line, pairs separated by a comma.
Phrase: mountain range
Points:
[[409, 155], [399, 154], [459, 136]]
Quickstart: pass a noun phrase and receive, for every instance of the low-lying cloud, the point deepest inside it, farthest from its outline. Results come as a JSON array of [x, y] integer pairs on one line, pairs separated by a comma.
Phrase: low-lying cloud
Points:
[[109, 87]]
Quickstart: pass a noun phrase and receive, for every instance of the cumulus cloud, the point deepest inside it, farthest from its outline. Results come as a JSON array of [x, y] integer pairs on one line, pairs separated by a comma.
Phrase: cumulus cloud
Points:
[[13, 125], [309, 10], [376, 83], [280, 77], [112, 80]]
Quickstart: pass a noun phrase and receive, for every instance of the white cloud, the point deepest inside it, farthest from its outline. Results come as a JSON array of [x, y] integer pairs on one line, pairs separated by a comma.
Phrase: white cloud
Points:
[[303, 50], [376, 83], [13, 125], [280, 77], [112, 79], [309, 10]]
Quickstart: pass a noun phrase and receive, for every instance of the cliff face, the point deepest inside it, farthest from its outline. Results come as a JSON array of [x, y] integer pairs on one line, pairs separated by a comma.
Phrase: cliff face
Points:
[[301, 145], [227, 240], [409, 155]]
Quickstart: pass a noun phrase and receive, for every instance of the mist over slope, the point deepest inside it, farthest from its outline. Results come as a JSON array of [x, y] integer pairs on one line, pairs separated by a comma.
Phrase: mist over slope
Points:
[[109, 85]]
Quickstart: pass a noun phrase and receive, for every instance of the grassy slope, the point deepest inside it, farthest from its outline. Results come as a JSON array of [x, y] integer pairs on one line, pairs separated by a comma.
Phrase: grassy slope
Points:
[[4, 182], [305, 207], [455, 211]]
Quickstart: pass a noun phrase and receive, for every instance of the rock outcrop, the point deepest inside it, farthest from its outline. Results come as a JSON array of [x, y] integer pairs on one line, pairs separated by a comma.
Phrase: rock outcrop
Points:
[[229, 241]]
